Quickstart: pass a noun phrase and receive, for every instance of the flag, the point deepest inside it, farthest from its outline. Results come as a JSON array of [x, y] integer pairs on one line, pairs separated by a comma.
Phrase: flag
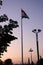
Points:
[[23, 14]]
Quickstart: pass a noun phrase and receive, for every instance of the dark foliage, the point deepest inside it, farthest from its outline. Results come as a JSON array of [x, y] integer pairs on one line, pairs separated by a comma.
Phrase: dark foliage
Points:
[[0, 2], [3, 18], [40, 62], [6, 33], [1, 62], [8, 62]]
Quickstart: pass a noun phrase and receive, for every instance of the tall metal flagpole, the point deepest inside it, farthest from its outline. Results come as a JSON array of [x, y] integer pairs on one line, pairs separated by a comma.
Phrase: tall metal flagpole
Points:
[[23, 15], [22, 39]]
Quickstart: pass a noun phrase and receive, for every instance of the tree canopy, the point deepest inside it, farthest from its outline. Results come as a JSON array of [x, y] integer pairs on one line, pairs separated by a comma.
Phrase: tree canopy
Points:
[[6, 32]]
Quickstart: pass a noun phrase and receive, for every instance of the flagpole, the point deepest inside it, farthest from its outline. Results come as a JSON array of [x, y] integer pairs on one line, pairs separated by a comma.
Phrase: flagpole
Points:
[[22, 39], [23, 15]]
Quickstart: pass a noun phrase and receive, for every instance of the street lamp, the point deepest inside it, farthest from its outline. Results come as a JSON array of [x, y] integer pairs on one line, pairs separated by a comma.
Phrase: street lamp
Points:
[[36, 31], [31, 53]]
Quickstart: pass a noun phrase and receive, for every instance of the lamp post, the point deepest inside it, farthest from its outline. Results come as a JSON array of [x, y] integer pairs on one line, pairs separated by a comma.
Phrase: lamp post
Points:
[[31, 53], [36, 31]]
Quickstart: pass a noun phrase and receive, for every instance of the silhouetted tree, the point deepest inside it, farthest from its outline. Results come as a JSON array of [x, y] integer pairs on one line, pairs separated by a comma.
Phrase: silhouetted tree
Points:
[[8, 62], [6, 32], [1, 62], [1, 3], [40, 62]]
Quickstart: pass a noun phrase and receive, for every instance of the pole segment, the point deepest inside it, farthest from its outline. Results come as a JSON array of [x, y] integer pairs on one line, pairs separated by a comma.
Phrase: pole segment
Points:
[[37, 45], [22, 39]]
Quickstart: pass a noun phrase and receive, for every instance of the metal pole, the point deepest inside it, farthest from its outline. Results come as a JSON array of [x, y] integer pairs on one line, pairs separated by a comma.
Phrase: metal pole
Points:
[[37, 45], [22, 39], [36, 32], [31, 57]]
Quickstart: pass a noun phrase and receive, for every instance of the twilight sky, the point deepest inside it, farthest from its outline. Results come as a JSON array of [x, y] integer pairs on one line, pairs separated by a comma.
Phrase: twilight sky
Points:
[[34, 9]]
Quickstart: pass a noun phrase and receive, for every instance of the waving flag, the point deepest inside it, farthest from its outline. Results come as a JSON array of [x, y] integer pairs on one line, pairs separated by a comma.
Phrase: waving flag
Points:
[[23, 14]]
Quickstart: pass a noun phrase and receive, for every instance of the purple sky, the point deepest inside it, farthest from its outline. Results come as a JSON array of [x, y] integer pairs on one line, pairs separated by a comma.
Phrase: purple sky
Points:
[[34, 9]]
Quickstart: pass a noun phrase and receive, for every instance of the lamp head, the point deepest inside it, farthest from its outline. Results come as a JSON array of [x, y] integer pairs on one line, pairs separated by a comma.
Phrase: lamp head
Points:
[[39, 30], [34, 30]]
